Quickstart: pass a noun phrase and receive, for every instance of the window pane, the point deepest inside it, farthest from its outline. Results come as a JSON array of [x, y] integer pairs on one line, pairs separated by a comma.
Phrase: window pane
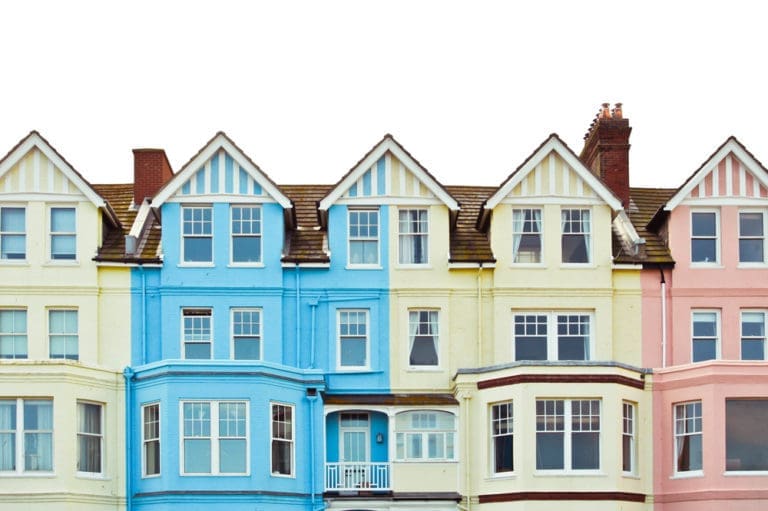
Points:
[[12, 220], [246, 249], [62, 220], [353, 352], [751, 251], [573, 337], [704, 224], [7, 434], [746, 442], [530, 337], [232, 456], [585, 450], [704, 251], [247, 348], [549, 451], [198, 249], [197, 456]]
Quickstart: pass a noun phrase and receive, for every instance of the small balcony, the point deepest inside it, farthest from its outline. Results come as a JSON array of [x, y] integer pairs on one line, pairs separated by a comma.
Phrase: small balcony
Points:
[[357, 476]]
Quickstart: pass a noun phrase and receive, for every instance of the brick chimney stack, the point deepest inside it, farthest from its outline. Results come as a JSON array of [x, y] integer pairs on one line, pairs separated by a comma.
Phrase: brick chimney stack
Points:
[[151, 171], [606, 150]]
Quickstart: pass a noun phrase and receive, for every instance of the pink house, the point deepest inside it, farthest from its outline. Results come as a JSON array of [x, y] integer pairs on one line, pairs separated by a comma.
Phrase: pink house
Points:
[[705, 308]]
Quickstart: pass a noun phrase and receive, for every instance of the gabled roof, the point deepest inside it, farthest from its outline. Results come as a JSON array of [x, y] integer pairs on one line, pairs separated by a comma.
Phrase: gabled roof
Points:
[[220, 141], [388, 143], [731, 145], [553, 143], [35, 140]]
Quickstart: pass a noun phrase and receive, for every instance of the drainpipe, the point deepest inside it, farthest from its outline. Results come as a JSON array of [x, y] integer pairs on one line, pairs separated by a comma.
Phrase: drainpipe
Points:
[[467, 467], [298, 317], [313, 306], [663, 318], [312, 398], [144, 347], [128, 375], [480, 315]]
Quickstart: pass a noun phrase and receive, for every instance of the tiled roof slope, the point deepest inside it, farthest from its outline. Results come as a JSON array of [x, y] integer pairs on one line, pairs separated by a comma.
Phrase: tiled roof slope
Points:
[[647, 202], [120, 197], [306, 242], [468, 244]]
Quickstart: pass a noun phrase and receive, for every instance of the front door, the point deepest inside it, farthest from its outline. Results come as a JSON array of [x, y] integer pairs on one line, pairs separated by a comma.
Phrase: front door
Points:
[[354, 432]]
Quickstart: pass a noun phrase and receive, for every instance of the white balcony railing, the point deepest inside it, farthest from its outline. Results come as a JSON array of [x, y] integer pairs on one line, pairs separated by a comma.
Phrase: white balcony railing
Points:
[[356, 476]]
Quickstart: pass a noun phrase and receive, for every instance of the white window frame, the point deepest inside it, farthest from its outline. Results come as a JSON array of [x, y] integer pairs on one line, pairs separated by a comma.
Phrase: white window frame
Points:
[[52, 234], [411, 236], [718, 255], [436, 338], [291, 441], [215, 438], [259, 335], [587, 234], [742, 337], [629, 434], [507, 424], [677, 437], [146, 442], [13, 335], [552, 331], [20, 437], [259, 235], [192, 312], [99, 435], [367, 341], [718, 333], [183, 260], [449, 436], [51, 334], [14, 233], [762, 213], [377, 239], [528, 233], [568, 433]]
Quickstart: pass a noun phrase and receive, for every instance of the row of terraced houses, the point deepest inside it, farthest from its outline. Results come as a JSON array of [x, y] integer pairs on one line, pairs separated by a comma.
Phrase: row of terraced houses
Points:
[[210, 339]]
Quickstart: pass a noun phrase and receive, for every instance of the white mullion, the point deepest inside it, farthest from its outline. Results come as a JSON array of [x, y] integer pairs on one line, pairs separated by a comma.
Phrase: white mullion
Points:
[[214, 434], [728, 176], [552, 352], [20, 461], [567, 433]]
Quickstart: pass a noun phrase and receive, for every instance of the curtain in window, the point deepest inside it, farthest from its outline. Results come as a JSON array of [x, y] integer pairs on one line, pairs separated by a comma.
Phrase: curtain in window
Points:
[[38, 441], [585, 226], [7, 435], [89, 437], [413, 236], [518, 218], [423, 334]]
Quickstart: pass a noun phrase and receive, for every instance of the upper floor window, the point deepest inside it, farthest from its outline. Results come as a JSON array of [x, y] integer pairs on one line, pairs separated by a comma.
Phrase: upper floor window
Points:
[[282, 450], [197, 234], [502, 429], [215, 437], [567, 434], [13, 239], [628, 434], [704, 237], [63, 234], [425, 436], [423, 334], [706, 335], [90, 438], [364, 237], [62, 334], [26, 435], [753, 335], [353, 338], [751, 237], [197, 333], [13, 333], [576, 241], [746, 444], [246, 234], [688, 437], [414, 236], [150, 439], [526, 236], [552, 336], [246, 334]]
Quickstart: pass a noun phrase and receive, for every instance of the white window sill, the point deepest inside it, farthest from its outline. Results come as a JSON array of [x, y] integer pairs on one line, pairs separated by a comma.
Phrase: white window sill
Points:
[[752, 266], [577, 266], [14, 262], [92, 476], [424, 369], [745, 473], [283, 476], [569, 473], [245, 265], [687, 475], [628, 475], [364, 267], [17, 475], [195, 265], [706, 266], [528, 266], [353, 370], [151, 476], [501, 476], [66, 262], [244, 474], [427, 461], [425, 266]]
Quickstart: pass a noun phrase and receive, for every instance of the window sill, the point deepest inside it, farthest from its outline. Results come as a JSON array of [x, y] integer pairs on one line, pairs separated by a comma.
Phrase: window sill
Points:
[[14, 262], [68, 262], [569, 473], [687, 475], [364, 267], [628, 475], [353, 370], [245, 265], [195, 265], [752, 266], [37, 475], [745, 473], [92, 476], [706, 266], [244, 474], [425, 266], [501, 476], [415, 369], [151, 476], [426, 461], [577, 266], [528, 266], [283, 476]]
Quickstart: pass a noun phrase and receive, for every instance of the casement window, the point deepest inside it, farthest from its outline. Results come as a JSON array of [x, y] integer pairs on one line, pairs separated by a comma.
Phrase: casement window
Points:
[[502, 429], [197, 333], [13, 333], [63, 234], [423, 335], [688, 437], [282, 433], [576, 241], [413, 236], [13, 233], [425, 436], [706, 335], [628, 438], [567, 434], [751, 237], [364, 237], [197, 234], [526, 236], [246, 234], [746, 444], [26, 435], [215, 437], [552, 335], [246, 334], [353, 338], [150, 439], [90, 438], [62, 334], [705, 231], [753, 335]]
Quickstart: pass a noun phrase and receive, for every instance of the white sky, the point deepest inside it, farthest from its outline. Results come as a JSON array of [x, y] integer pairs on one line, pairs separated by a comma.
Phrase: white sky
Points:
[[306, 88]]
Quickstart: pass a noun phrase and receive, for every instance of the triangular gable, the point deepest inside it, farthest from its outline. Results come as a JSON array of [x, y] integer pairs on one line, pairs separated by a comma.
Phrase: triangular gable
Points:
[[388, 171], [220, 168], [731, 172], [553, 170], [33, 166]]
